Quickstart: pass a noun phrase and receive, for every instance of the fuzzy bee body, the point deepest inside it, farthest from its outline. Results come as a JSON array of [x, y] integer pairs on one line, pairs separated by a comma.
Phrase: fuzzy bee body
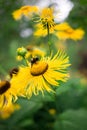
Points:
[[34, 60]]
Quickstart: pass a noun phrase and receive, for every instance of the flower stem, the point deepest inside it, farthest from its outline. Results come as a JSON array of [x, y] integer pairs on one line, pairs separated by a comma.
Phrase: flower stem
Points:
[[25, 61], [48, 33]]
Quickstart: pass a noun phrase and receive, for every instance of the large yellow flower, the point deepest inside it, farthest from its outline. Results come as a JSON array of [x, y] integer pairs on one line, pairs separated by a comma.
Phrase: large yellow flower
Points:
[[24, 11], [41, 74], [6, 93]]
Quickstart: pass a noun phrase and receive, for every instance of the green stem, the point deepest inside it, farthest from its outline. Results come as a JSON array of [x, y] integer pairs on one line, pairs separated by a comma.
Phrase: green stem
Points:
[[48, 32], [25, 61]]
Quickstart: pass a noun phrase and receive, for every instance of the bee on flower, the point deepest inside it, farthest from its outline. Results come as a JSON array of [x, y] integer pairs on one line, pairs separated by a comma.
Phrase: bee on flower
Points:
[[28, 52], [41, 74]]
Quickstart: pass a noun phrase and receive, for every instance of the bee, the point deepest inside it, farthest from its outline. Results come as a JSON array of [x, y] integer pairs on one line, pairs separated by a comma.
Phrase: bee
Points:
[[4, 86], [13, 71], [34, 60]]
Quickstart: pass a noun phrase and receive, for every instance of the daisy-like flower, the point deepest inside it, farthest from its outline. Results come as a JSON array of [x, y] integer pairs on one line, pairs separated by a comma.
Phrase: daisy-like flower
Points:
[[44, 16], [61, 8], [46, 23], [7, 93], [47, 18], [24, 11], [6, 112], [62, 31], [67, 32], [41, 74]]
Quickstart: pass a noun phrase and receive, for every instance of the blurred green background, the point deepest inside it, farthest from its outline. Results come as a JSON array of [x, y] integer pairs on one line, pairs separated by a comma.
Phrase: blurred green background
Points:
[[70, 102]]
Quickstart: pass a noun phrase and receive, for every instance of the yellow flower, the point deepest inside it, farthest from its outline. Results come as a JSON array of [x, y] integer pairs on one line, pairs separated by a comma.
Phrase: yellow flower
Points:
[[63, 31], [34, 51], [62, 26], [28, 52], [24, 11], [41, 74], [52, 111], [46, 22], [47, 18], [67, 32], [7, 93], [57, 27], [6, 112], [40, 31]]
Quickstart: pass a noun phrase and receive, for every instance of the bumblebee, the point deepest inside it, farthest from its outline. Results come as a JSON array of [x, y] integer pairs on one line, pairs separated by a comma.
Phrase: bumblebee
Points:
[[34, 60], [13, 71], [4, 86]]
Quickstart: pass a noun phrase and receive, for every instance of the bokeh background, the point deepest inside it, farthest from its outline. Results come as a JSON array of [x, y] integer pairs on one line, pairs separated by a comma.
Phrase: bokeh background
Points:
[[68, 110]]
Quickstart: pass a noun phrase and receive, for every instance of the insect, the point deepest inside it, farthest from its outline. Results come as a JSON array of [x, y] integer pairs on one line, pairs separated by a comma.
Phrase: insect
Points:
[[34, 60], [4, 86], [13, 71]]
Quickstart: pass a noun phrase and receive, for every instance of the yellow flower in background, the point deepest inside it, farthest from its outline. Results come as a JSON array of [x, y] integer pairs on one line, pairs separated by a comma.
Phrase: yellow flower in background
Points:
[[41, 74], [7, 93], [67, 32], [57, 27], [6, 112], [34, 51], [62, 26], [46, 22], [52, 111], [47, 25], [63, 31], [24, 11], [40, 31], [28, 52], [47, 18]]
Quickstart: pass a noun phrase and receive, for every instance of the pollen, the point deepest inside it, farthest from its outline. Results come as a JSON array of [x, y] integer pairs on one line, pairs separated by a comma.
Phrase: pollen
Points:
[[38, 68], [4, 86]]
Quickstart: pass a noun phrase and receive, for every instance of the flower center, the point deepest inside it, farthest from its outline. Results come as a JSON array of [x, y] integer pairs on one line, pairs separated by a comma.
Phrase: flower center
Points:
[[38, 68], [4, 86]]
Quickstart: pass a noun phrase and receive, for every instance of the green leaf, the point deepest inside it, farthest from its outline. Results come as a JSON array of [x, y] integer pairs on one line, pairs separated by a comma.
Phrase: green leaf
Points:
[[71, 95], [72, 120], [27, 109], [83, 2]]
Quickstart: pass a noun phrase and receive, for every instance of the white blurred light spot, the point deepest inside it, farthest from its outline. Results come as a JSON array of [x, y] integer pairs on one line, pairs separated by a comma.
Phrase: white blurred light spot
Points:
[[62, 9], [26, 32]]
